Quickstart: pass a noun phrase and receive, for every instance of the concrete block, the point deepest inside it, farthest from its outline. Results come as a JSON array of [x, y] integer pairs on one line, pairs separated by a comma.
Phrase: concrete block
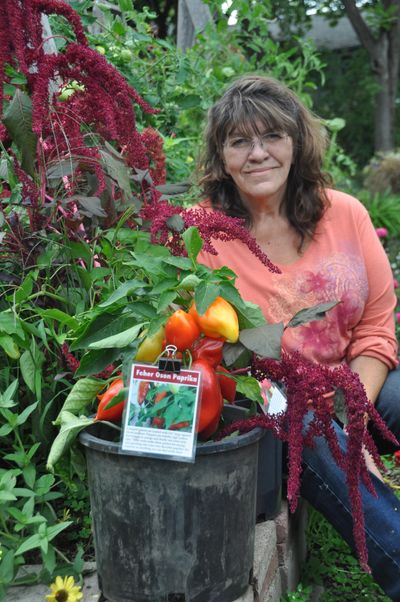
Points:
[[264, 549], [275, 590]]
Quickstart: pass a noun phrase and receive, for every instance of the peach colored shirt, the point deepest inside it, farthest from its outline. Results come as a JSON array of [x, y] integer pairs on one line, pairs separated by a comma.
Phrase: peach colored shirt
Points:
[[344, 261]]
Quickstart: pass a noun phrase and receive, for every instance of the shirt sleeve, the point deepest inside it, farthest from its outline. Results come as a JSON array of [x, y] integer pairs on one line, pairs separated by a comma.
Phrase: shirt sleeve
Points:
[[374, 335]]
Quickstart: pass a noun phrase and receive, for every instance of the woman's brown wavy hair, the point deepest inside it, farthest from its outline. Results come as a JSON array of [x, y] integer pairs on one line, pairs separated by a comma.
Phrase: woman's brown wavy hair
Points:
[[252, 103]]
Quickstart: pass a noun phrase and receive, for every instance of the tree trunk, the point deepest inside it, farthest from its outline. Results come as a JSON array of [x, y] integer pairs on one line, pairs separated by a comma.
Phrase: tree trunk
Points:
[[384, 121], [384, 50]]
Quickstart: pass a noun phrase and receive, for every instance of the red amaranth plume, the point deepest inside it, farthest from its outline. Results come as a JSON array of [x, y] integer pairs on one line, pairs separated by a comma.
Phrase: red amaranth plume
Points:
[[307, 383], [154, 145], [105, 105], [211, 225]]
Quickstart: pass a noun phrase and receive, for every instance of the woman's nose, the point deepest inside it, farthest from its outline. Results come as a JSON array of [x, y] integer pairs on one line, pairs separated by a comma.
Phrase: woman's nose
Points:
[[258, 149]]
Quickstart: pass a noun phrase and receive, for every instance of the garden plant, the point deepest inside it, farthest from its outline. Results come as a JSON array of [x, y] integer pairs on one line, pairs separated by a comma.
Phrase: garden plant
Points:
[[99, 253]]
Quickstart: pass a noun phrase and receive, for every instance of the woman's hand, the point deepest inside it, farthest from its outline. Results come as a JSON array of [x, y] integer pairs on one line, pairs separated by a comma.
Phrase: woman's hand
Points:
[[372, 467]]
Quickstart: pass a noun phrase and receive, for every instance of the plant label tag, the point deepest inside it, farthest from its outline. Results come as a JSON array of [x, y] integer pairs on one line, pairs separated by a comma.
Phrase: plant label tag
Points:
[[161, 413], [274, 400]]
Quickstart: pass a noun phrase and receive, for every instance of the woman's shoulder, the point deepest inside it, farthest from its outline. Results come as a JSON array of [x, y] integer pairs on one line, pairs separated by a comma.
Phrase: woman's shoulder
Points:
[[344, 204]]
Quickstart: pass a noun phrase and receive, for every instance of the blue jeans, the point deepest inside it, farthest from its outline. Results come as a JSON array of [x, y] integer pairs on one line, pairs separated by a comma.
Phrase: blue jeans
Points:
[[324, 487]]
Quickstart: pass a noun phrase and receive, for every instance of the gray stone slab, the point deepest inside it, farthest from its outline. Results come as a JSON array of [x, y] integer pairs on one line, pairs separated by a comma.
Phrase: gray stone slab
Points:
[[37, 593]]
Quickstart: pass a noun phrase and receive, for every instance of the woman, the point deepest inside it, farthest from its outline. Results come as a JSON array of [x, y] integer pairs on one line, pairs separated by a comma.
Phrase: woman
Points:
[[263, 162]]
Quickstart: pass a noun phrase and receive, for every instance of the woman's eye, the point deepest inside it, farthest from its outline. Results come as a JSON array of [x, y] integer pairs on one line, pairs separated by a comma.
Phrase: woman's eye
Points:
[[240, 142], [271, 137]]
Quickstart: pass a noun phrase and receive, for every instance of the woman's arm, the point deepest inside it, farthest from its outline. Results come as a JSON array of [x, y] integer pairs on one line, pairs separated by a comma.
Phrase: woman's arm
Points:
[[372, 373]]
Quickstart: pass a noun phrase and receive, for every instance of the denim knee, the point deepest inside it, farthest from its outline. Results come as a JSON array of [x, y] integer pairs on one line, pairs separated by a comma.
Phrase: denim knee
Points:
[[388, 406]]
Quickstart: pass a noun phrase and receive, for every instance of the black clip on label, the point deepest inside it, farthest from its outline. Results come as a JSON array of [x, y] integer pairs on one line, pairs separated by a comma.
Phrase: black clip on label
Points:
[[170, 363]]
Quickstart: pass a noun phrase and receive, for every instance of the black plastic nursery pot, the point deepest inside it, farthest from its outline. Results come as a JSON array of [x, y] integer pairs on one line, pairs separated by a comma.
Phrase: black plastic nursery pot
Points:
[[269, 473], [167, 531]]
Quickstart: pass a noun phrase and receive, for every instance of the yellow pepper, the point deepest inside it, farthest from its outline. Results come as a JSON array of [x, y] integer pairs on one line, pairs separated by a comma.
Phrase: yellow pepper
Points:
[[151, 347], [220, 320]]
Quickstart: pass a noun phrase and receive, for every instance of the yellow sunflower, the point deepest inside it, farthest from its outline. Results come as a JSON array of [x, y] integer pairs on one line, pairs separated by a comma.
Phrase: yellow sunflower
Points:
[[64, 590]]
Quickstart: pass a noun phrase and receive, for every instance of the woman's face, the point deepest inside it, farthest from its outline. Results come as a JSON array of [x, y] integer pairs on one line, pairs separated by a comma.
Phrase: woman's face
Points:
[[259, 165]]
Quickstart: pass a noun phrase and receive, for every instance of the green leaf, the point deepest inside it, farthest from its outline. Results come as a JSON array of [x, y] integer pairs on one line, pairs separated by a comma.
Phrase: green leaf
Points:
[[9, 346], [28, 369], [59, 316], [175, 223], [339, 406], [23, 292], [309, 314], [163, 285], [174, 189], [95, 361], [24, 415], [99, 328], [189, 283], [49, 559], [44, 484], [236, 355], [188, 101], [35, 540], [117, 171], [54, 530], [249, 314], [81, 395], [91, 205], [249, 387], [6, 398], [264, 340], [10, 324], [18, 121], [71, 426], [204, 295], [123, 291], [61, 168], [122, 339], [166, 298], [193, 242], [7, 567], [183, 263]]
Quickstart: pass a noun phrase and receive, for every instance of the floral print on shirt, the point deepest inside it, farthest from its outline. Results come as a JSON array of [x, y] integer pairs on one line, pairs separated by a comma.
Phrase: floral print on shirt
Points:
[[341, 277]]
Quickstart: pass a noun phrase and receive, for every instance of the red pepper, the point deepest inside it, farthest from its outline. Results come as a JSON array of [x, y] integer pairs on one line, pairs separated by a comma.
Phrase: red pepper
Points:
[[158, 422], [144, 386], [208, 349], [211, 402], [210, 429], [181, 330], [113, 414], [228, 385], [179, 425], [397, 458], [160, 396]]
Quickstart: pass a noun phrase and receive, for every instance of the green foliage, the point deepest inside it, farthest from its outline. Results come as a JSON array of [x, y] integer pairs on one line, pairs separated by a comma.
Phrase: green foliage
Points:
[[185, 85], [330, 563], [348, 76], [383, 210]]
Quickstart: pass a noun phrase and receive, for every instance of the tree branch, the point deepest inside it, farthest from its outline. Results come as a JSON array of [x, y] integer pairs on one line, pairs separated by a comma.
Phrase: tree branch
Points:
[[360, 27]]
